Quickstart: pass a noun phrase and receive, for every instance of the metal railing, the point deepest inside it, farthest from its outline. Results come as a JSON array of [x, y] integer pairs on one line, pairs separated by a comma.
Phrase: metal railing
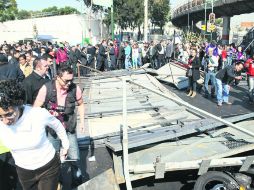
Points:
[[187, 6]]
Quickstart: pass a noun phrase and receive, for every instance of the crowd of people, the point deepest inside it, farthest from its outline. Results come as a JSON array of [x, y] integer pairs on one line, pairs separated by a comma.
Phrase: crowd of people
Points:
[[221, 67], [37, 94], [38, 116]]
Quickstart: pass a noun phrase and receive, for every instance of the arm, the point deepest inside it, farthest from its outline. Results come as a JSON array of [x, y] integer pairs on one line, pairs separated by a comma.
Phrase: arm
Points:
[[81, 109], [40, 99], [57, 126]]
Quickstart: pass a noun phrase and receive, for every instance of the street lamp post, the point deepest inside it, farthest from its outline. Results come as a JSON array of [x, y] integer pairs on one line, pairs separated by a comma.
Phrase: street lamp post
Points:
[[145, 20]]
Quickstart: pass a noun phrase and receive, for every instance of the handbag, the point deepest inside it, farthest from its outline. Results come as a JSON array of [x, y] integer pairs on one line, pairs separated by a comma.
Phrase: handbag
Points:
[[189, 72]]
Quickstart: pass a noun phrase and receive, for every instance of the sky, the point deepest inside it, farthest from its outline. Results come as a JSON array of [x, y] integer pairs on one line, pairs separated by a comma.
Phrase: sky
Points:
[[41, 4], [78, 4]]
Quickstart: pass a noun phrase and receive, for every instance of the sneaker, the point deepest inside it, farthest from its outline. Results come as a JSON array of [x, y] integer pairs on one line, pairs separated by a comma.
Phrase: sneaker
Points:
[[228, 103], [219, 104]]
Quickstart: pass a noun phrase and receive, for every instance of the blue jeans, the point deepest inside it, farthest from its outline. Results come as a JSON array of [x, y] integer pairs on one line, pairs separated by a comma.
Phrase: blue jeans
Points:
[[210, 76], [222, 91], [127, 62], [73, 152]]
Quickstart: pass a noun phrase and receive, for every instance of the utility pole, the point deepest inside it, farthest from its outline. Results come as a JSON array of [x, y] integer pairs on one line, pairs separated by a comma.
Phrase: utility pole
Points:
[[188, 15], [112, 19], [145, 20]]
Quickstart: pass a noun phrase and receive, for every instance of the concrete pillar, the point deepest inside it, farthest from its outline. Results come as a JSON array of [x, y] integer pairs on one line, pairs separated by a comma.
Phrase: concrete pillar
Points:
[[226, 30]]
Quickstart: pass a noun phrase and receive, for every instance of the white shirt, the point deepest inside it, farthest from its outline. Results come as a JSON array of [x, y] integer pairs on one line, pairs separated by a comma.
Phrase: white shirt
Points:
[[27, 138]]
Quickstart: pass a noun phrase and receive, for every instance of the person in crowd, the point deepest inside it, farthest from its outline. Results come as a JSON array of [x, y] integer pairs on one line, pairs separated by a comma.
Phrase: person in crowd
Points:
[[194, 66], [210, 63], [169, 50], [49, 59], [29, 57], [61, 55], [22, 130], [83, 62], [102, 64], [73, 59], [36, 80], [60, 97], [152, 55], [224, 56], [160, 56], [240, 55], [249, 65], [128, 55], [121, 57], [8, 174], [25, 67], [223, 80], [8, 70], [112, 56], [91, 53], [135, 56], [14, 57]]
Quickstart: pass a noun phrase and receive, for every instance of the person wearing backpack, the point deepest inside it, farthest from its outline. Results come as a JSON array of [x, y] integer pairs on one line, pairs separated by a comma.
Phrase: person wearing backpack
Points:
[[60, 97], [210, 63]]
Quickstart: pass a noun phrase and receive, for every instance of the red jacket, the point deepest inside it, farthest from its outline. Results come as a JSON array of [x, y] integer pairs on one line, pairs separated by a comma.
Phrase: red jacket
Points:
[[249, 64]]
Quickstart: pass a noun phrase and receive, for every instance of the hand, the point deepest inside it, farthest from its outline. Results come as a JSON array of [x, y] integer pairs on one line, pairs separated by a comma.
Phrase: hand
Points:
[[63, 154], [238, 77]]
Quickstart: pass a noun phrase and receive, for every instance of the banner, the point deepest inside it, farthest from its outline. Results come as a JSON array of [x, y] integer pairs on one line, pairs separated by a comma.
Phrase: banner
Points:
[[104, 3]]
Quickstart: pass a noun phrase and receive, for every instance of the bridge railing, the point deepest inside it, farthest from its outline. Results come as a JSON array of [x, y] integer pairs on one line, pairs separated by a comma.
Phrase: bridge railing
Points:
[[187, 6]]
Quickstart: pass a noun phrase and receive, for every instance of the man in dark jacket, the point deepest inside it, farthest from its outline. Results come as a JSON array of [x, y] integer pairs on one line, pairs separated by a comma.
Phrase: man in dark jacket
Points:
[[35, 80], [102, 57], [8, 70], [121, 57], [224, 78]]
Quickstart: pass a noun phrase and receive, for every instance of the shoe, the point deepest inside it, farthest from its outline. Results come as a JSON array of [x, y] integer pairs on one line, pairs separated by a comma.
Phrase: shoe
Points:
[[206, 96], [190, 93], [228, 103], [219, 104], [193, 94]]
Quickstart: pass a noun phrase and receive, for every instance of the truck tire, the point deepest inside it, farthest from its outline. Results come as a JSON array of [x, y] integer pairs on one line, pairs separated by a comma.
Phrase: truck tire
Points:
[[214, 180]]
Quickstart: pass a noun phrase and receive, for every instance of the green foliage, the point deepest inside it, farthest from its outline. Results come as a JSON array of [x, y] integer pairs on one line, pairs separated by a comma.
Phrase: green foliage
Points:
[[8, 10], [218, 22], [159, 12], [127, 13], [23, 14]]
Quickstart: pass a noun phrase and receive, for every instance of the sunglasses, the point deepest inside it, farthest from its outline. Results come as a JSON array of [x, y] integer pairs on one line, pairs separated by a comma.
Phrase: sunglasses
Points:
[[66, 81]]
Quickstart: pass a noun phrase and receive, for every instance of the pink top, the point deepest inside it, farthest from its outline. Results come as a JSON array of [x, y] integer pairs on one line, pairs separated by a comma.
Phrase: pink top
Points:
[[61, 55]]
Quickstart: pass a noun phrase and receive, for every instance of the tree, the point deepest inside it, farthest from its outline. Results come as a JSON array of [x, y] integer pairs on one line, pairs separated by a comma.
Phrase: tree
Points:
[[8, 10], [127, 13], [67, 10], [159, 13], [23, 14]]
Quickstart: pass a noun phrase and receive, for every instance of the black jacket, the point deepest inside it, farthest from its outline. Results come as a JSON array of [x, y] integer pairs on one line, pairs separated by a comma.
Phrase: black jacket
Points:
[[226, 75], [32, 85], [195, 69], [11, 71]]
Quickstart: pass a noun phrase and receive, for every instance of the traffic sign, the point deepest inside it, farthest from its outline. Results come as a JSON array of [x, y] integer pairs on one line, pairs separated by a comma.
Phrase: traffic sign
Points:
[[203, 27], [212, 27], [212, 18]]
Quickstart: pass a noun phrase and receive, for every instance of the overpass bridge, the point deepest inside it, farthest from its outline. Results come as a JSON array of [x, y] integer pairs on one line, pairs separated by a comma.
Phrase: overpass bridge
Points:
[[194, 11]]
